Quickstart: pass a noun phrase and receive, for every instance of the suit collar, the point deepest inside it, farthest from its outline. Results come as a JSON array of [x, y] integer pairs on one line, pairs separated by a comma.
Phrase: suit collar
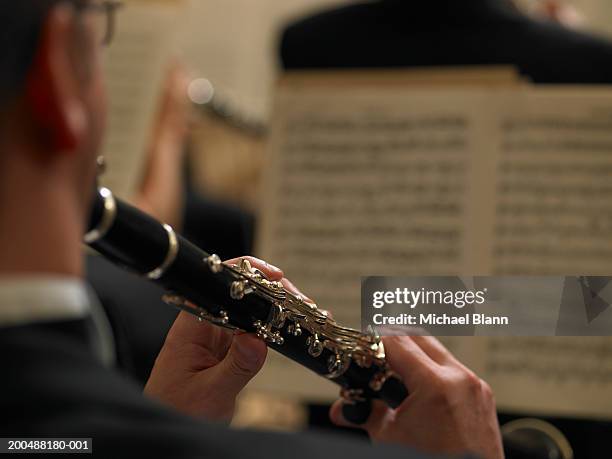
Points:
[[25, 300], [35, 300]]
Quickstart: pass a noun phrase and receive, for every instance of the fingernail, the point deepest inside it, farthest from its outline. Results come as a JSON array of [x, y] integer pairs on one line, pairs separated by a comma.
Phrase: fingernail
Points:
[[272, 267]]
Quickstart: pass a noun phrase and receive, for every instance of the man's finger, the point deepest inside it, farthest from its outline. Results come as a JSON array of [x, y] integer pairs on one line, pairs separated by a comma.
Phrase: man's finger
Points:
[[271, 272], [245, 358], [290, 287], [409, 361], [293, 289], [187, 329], [434, 349]]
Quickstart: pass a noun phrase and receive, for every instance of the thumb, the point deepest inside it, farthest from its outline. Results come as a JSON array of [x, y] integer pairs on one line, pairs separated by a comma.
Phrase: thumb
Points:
[[243, 361]]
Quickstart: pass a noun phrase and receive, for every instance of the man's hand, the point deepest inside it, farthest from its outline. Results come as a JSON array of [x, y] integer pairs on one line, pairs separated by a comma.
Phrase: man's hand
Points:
[[449, 410], [202, 367]]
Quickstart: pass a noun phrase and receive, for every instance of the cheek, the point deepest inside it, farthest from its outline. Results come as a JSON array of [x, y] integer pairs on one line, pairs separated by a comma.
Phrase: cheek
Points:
[[97, 110], [101, 102], [95, 98], [96, 90]]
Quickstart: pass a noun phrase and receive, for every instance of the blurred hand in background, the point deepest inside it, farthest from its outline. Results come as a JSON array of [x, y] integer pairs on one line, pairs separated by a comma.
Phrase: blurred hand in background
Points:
[[562, 12], [162, 187]]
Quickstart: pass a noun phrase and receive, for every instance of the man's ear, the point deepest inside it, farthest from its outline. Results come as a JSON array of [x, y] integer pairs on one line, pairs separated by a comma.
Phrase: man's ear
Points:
[[52, 86]]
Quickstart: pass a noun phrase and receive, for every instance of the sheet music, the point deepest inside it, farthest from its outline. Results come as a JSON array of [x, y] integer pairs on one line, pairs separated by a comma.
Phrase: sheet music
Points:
[[449, 181], [554, 193], [135, 69], [364, 187], [553, 216], [367, 182], [565, 376]]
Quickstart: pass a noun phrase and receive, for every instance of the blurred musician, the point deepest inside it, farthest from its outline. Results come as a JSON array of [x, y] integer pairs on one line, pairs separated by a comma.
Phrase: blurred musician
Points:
[[397, 33]]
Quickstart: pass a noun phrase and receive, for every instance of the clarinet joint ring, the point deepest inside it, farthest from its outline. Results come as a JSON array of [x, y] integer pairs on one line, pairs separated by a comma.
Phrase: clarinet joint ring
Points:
[[173, 248], [214, 263]]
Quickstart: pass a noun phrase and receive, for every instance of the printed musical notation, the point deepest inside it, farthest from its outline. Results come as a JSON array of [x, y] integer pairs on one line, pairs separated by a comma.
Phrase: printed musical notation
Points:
[[507, 180]]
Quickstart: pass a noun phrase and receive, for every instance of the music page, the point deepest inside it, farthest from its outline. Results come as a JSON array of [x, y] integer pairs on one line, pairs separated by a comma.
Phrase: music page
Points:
[[363, 181], [404, 181], [553, 216]]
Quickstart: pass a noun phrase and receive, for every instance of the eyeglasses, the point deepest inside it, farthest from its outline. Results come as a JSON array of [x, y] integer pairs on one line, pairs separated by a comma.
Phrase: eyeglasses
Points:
[[105, 26]]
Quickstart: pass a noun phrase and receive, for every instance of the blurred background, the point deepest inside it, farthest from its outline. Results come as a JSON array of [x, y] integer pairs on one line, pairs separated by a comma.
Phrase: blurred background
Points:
[[231, 49], [229, 55]]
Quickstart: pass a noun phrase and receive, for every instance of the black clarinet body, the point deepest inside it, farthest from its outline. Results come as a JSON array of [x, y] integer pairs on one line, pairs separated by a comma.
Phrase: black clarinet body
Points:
[[240, 297]]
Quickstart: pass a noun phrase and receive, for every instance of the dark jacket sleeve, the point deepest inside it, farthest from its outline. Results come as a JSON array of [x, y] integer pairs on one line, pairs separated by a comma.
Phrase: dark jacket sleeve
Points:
[[52, 386]]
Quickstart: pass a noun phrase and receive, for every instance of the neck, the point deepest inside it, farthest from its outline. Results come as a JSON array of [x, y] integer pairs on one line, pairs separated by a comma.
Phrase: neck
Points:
[[40, 222]]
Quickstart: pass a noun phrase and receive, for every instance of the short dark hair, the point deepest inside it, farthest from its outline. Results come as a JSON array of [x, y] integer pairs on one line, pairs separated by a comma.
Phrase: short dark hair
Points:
[[21, 22]]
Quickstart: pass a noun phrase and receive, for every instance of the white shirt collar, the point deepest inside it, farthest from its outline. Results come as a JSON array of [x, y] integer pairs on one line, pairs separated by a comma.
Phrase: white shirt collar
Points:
[[37, 299], [25, 300]]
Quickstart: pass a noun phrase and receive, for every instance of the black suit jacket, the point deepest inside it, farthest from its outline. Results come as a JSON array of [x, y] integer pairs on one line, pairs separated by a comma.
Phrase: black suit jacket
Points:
[[400, 33], [53, 386]]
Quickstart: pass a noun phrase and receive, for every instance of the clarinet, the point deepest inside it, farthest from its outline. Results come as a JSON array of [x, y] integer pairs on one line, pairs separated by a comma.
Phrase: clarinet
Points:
[[240, 297]]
